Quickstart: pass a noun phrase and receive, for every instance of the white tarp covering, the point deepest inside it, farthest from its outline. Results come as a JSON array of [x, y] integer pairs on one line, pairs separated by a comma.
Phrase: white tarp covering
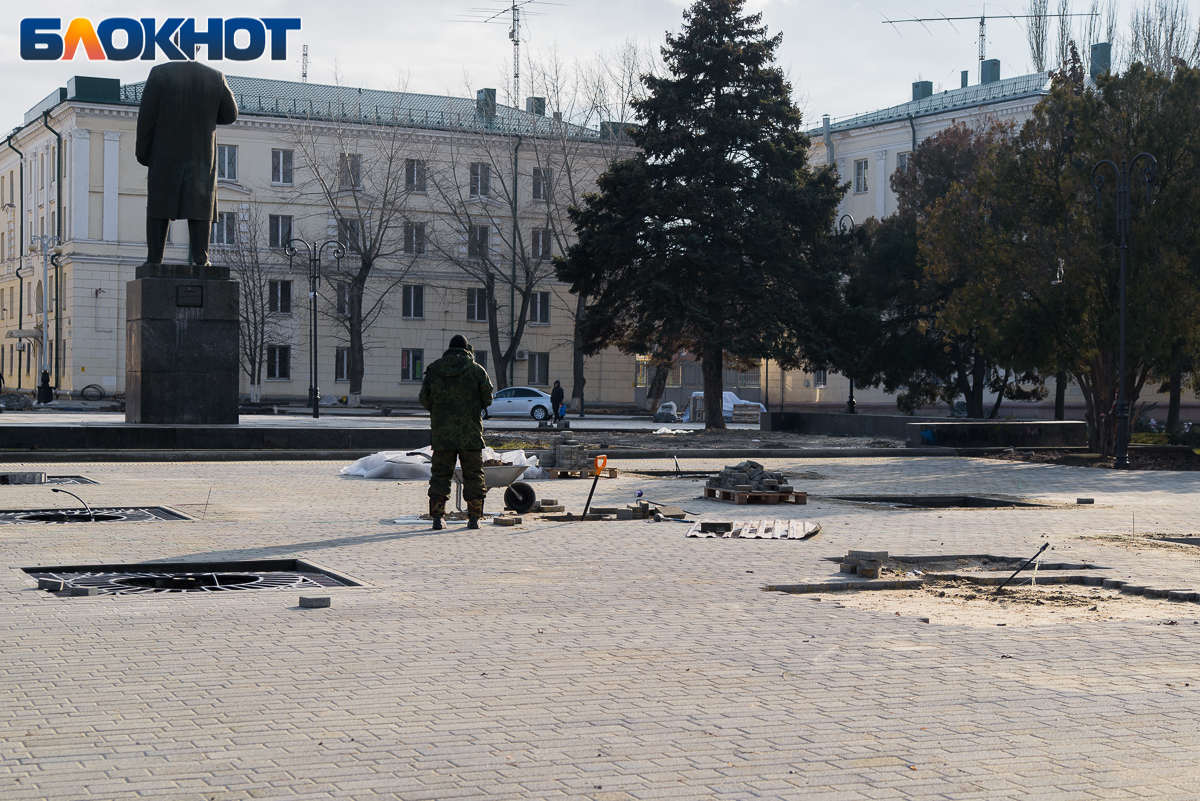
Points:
[[728, 400], [414, 465]]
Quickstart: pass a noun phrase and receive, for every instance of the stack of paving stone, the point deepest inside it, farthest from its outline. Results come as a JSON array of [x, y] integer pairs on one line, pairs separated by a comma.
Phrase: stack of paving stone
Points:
[[865, 563], [570, 455], [749, 477]]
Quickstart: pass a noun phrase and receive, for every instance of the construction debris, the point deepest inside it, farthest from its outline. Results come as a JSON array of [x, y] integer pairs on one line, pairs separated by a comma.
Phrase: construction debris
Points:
[[756, 529]]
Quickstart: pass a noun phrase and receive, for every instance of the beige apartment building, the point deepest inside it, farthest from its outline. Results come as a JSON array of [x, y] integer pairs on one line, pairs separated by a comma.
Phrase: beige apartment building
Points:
[[484, 193]]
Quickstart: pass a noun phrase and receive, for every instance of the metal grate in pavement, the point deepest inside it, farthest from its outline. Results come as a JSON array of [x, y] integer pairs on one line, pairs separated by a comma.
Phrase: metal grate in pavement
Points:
[[177, 577], [102, 514]]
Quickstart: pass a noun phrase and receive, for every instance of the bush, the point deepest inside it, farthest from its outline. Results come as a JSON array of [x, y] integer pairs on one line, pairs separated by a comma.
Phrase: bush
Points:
[[1147, 438]]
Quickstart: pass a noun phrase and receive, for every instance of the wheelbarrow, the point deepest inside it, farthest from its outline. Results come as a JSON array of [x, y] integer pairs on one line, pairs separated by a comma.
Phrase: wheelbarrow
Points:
[[518, 496]]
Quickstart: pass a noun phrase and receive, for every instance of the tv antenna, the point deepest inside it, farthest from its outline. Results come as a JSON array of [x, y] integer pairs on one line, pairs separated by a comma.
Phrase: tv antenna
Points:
[[510, 13], [983, 18], [304, 65]]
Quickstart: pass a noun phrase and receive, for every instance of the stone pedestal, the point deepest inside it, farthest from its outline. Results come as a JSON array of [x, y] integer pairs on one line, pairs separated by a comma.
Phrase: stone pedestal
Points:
[[181, 346]]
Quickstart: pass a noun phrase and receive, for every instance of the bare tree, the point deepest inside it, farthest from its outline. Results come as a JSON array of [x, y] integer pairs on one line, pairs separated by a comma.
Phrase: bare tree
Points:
[[1036, 32], [1160, 32], [358, 156], [264, 291], [1063, 51]]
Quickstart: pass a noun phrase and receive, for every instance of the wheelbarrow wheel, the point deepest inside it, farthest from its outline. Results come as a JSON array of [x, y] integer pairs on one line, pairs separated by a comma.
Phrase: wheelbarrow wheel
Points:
[[519, 497]]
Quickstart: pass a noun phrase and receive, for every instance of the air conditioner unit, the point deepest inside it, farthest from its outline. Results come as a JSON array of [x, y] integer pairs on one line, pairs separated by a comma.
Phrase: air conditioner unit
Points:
[[522, 355]]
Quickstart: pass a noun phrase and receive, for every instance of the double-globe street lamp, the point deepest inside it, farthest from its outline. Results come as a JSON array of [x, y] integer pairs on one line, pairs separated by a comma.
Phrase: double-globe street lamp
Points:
[[1123, 214], [313, 253], [51, 248]]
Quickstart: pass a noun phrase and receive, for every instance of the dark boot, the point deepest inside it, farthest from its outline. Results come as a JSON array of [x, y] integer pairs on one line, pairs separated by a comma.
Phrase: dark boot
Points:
[[474, 512], [437, 510]]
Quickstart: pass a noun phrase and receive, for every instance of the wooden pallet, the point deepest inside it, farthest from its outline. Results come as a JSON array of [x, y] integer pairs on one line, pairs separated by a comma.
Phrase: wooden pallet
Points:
[[586, 472], [739, 497], [760, 530]]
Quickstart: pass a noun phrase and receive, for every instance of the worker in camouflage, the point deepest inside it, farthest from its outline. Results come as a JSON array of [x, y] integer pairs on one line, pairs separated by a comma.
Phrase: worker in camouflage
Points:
[[456, 390]]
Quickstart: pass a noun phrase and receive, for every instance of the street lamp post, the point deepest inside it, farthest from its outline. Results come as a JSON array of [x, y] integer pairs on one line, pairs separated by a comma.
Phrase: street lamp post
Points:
[[846, 228], [1122, 172], [47, 245], [313, 253]]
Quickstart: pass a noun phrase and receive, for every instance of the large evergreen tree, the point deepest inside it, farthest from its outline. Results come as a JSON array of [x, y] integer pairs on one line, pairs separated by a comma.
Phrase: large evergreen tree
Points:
[[717, 235]]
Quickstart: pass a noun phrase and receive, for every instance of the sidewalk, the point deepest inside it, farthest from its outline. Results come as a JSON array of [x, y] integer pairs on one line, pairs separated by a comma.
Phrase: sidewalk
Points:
[[591, 660]]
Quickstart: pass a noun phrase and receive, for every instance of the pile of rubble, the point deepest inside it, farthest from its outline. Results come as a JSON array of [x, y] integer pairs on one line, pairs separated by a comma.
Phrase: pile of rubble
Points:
[[749, 477]]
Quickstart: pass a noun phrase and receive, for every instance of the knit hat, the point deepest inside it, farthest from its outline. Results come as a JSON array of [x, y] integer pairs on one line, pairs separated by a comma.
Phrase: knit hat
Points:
[[459, 341]]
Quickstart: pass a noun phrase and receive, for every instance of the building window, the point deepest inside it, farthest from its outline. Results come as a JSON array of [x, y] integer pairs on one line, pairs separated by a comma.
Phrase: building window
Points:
[[349, 233], [902, 160], [280, 300], [478, 241], [224, 231], [541, 243], [541, 183], [539, 369], [350, 171], [481, 358], [227, 162], [342, 291], [477, 305], [539, 308], [279, 362], [414, 302], [860, 176], [414, 175], [281, 167], [414, 238], [820, 378], [481, 180], [280, 232], [341, 365], [411, 364], [749, 378]]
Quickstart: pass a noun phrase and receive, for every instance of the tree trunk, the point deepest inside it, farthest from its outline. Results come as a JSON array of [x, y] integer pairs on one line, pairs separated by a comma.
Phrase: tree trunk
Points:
[[498, 359], [1060, 396], [578, 381], [1176, 390], [255, 393], [713, 366], [975, 398], [1000, 396], [658, 385], [357, 354]]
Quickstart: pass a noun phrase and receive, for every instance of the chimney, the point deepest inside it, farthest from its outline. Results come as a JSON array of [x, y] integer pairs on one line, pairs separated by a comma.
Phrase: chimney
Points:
[[922, 89], [991, 70], [966, 75], [1101, 59], [536, 105], [485, 104], [827, 135]]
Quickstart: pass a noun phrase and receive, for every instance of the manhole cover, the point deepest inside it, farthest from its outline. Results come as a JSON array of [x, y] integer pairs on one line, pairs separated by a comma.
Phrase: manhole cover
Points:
[[935, 501], [137, 579], [103, 514]]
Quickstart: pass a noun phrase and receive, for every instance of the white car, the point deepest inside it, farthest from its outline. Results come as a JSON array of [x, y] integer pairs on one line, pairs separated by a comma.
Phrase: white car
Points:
[[519, 401]]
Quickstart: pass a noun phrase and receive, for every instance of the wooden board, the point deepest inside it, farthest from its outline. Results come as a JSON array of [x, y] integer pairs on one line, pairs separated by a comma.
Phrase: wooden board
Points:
[[734, 496], [587, 472], [765, 529]]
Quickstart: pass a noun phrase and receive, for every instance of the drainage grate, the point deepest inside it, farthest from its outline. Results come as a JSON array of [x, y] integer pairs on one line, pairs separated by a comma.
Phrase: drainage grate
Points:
[[935, 501], [69, 480], [140, 579], [103, 514]]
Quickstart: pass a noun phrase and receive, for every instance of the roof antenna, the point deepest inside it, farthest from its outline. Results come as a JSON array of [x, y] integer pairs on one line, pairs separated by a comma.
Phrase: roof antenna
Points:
[[304, 65]]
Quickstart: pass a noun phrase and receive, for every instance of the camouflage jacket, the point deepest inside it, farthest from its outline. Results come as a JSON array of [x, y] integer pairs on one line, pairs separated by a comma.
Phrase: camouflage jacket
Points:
[[456, 390]]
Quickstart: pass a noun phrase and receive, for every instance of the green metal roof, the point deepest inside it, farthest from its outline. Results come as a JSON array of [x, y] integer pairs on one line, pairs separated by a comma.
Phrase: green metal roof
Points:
[[981, 94], [260, 97]]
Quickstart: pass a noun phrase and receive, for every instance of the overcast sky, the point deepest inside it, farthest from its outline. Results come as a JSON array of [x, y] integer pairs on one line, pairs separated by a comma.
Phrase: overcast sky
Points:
[[842, 60]]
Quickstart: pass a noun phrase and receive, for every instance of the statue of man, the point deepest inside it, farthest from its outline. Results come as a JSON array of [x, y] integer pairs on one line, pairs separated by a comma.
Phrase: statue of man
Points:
[[183, 102]]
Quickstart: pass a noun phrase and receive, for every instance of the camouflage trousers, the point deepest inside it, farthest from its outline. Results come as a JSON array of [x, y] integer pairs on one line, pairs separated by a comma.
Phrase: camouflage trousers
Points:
[[474, 488]]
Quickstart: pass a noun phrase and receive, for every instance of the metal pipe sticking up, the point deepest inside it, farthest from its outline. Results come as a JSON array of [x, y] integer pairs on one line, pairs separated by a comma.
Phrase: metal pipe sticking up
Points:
[[91, 514]]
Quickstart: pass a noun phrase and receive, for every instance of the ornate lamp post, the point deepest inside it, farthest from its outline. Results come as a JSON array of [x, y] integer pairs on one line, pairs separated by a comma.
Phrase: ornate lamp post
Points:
[[313, 253], [846, 228], [47, 245], [1122, 172]]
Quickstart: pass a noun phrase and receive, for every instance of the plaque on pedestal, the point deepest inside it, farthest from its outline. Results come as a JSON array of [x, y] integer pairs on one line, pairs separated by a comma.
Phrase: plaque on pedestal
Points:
[[181, 345]]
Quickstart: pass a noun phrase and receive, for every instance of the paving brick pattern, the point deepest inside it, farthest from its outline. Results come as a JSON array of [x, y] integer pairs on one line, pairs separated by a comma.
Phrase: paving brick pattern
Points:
[[588, 660]]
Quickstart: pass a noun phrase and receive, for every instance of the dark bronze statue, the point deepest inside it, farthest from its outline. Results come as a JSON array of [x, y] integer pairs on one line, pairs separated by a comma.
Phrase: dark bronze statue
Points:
[[183, 102]]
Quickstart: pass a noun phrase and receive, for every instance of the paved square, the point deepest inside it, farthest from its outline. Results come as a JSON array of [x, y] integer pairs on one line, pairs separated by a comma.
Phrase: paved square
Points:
[[602, 661]]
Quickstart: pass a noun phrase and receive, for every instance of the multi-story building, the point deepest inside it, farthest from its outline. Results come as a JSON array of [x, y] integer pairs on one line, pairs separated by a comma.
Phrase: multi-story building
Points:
[[460, 203]]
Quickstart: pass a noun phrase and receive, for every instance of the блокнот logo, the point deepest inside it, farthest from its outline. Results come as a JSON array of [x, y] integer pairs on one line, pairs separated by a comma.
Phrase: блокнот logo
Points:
[[125, 38]]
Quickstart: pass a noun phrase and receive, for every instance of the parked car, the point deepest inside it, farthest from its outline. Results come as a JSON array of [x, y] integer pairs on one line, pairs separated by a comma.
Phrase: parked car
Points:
[[519, 401]]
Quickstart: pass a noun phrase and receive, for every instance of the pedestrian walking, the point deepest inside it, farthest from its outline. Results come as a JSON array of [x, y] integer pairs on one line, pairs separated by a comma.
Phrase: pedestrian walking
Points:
[[556, 401], [456, 390]]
